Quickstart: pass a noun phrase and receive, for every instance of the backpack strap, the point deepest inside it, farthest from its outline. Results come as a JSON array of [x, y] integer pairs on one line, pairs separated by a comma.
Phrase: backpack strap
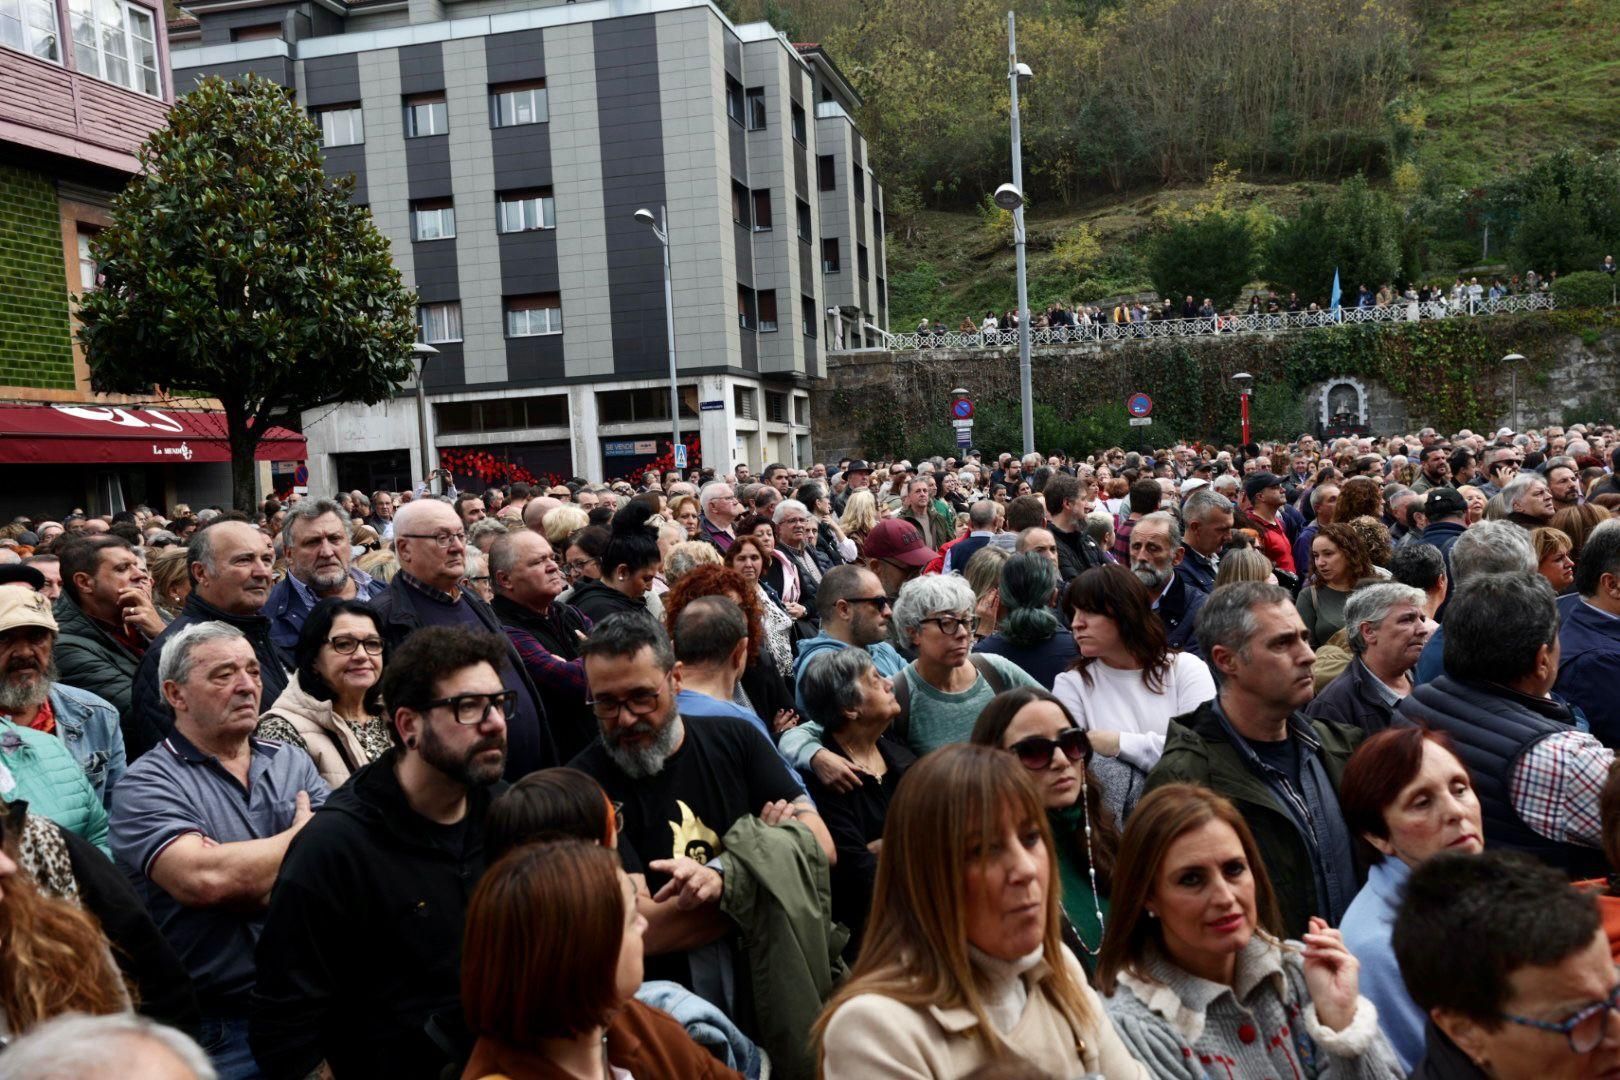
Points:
[[901, 725], [991, 673]]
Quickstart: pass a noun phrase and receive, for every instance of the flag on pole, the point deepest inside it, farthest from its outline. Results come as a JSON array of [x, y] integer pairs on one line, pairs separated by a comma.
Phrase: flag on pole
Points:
[[1333, 299]]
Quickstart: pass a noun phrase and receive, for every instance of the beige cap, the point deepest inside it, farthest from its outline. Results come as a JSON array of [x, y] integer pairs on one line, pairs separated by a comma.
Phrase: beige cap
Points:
[[21, 606]]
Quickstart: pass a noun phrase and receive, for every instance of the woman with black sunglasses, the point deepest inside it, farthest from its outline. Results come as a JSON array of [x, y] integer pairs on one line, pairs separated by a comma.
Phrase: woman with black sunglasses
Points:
[[1038, 730]]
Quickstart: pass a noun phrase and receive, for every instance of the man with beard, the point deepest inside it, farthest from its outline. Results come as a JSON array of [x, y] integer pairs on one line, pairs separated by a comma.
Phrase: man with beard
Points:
[[316, 539], [200, 826], [1155, 552], [360, 960], [682, 783], [31, 697], [1436, 469], [1387, 627]]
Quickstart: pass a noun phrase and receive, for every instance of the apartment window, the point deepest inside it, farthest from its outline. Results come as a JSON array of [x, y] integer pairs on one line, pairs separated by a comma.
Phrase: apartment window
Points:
[[734, 100], [776, 407], [739, 204], [114, 40], [860, 260], [433, 219], [533, 316], [521, 211], [519, 103], [860, 184], [762, 210], [807, 315], [504, 414], [743, 402], [89, 271], [755, 101], [804, 220], [30, 26], [745, 307], [438, 323], [798, 124], [257, 32], [426, 115], [826, 173], [830, 263], [767, 311], [341, 126]]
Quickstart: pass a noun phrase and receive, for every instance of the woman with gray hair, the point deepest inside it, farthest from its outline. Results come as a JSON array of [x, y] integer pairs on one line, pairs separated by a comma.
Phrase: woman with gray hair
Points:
[[1029, 634], [846, 694], [942, 691]]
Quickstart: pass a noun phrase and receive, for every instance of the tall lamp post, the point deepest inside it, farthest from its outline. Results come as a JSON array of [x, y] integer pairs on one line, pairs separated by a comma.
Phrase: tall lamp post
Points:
[[1244, 381], [1011, 197], [422, 352], [660, 229], [1513, 360]]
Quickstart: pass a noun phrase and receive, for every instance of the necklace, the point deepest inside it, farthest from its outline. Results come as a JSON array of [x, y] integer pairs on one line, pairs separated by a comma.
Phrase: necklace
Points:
[[1091, 869]]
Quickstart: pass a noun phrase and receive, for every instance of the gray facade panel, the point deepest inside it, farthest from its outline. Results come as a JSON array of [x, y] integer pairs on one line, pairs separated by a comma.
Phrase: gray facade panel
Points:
[[535, 359], [739, 151], [801, 172], [529, 263], [521, 156], [331, 80], [515, 57], [421, 68], [217, 28], [436, 271], [427, 167], [351, 160], [632, 149], [278, 69]]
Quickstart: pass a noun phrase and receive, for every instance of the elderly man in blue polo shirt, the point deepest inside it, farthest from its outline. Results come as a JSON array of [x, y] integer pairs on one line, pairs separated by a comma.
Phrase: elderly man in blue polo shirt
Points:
[[200, 826]]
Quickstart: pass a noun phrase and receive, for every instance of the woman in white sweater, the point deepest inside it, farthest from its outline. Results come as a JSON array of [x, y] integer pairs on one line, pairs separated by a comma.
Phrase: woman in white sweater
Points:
[[1128, 683]]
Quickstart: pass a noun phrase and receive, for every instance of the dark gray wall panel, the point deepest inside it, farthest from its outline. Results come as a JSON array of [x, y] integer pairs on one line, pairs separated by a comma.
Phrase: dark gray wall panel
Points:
[[215, 28], [331, 80], [801, 173], [734, 58], [532, 359], [632, 149], [529, 263], [807, 270], [448, 370], [421, 68], [515, 57], [521, 156], [739, 152], [743, 246], [436, 278], [350, 160], [427, 167], [278, 69], [795, 81], [750, 353]]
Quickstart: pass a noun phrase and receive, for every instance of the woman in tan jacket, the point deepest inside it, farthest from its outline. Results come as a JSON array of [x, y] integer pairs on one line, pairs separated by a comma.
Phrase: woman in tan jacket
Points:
[[963, 962], [331, 707]]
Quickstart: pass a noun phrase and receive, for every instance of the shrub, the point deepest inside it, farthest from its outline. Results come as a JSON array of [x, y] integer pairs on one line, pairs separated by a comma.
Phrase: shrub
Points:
[[1587, 288]]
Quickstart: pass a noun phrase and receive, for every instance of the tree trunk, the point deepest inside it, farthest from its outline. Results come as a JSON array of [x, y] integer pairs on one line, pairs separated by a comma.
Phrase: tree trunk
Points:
[[244, 443]]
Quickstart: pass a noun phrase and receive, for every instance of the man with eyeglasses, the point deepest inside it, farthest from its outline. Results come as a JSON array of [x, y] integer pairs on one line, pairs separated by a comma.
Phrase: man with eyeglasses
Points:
[[683, 784], [315, 536], [1512, 967], [375, 893], [427, 591], [1501, 465], [721, 509]]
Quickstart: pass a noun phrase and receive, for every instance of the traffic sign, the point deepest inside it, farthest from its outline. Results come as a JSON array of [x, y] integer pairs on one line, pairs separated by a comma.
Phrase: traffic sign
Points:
[[1139, 404], [964, 437], [962, 409], [1141, 421], [680, 455]]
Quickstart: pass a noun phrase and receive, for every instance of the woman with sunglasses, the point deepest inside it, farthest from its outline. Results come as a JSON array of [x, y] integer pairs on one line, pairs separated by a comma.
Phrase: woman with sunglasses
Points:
[[332, 706], [1198, 979], [1035, 727]]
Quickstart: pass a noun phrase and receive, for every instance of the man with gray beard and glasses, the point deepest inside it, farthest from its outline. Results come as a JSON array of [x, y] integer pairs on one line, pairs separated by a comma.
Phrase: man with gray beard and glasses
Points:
[[680, 783], [1155, 553]]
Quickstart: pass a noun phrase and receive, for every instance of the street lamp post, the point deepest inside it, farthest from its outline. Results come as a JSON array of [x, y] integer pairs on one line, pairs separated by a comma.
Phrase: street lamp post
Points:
[[1513, 360], [660, 229], [1011, 197], [1243, 381], [422, 352]]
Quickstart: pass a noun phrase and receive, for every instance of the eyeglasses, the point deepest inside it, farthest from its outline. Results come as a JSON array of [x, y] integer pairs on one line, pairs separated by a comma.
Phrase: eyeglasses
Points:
[[444, 539], [618, 818], [1035, 753], [951, 625], [345, 646], [1584, 1029], [881, 603], [470, 709], [639, 702], [574, 569]]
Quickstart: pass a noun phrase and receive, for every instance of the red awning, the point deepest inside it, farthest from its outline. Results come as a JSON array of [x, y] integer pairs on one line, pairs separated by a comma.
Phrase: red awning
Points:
[[99, 434]]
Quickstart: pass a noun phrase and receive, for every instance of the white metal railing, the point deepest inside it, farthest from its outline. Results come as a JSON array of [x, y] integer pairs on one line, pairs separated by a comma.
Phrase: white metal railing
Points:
[[1221, 324]]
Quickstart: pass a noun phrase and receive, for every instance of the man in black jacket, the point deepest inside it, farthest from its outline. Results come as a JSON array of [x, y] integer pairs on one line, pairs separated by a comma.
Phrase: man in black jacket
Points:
[[1066, 514], [1387, 628], [359, 963]]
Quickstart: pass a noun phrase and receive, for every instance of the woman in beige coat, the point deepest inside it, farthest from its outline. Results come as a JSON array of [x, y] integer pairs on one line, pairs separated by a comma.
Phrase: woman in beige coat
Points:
[[331, 707], [963, 962]]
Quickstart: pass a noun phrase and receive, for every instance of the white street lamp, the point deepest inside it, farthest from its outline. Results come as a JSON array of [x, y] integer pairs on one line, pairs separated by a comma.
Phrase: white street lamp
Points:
[[660, 229], [1011, 197]]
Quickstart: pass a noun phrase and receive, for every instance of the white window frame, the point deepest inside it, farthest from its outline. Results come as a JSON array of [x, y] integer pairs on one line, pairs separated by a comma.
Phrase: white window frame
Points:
[[529, 321], [109, 46], [439, 324], [440, 222], [341, 126], [504, 107], [525, 208], [415, 109], [89, 269], [765, 326], [29, 26]]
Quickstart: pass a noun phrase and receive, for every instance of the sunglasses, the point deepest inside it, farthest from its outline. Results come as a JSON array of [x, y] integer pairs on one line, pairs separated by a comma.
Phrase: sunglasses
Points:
[[1035, 753]]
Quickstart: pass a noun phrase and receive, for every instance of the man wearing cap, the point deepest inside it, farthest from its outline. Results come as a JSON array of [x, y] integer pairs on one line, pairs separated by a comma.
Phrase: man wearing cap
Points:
[[895, 552], [1266, 498], [83, 726], [1445, 515]]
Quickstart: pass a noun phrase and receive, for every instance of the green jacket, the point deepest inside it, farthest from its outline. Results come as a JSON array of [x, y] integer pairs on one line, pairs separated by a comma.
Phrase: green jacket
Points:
[[88, 658], [944, 527], [1197, 751], [778, 890], [38, 769]]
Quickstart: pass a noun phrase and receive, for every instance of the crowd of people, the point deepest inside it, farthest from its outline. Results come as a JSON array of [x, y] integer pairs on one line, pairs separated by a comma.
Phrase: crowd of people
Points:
[[1291, 759]]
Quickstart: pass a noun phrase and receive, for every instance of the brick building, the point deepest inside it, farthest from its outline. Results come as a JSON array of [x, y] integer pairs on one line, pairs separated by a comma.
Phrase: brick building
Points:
[[504, 146]]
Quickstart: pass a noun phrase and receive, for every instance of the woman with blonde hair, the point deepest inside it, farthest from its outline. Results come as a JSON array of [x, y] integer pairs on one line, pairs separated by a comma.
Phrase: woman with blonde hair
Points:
[[1195, 968], [983, 574], [562, 522], [1243, 562], [963, 963], [860, 517], [685, 512], [1554, 558], [171, 579]]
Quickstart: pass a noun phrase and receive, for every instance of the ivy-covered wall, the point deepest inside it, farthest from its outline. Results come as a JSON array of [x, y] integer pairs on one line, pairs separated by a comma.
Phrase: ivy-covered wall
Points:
[[36, 334], [1448, 374]]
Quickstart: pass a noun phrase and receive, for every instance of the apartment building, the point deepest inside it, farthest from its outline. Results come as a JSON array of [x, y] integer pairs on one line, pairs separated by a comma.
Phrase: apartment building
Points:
[[504, 147]]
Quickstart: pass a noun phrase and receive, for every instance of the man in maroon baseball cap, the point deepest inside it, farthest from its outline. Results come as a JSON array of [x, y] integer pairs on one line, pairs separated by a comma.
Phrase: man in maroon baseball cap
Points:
[[895, 552]]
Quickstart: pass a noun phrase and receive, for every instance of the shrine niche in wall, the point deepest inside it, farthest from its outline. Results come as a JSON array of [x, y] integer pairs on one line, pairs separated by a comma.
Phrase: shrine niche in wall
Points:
[[1343, 407]]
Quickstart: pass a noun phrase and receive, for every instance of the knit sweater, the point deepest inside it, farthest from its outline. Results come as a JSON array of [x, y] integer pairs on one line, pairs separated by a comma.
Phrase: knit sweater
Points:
[[1186, 1028]]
